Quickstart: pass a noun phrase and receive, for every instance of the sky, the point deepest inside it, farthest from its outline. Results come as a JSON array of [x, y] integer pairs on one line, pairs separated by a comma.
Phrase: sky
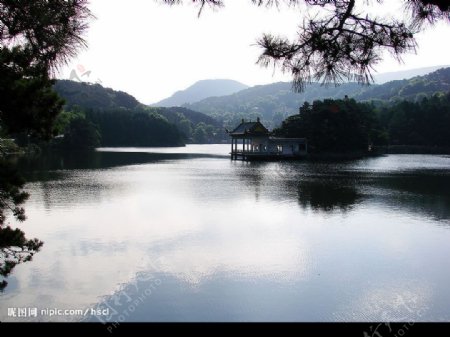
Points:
[[151, 50]]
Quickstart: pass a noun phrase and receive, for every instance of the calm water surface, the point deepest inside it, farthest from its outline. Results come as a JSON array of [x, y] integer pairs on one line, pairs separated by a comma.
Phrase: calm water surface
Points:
[[185, 234]]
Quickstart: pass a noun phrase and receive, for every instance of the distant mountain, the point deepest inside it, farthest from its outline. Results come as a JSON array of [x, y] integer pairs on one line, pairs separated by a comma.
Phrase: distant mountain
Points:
[[200, 90], [274, 102], [413, 89], [93, 96], [405, 74], [271, 102]]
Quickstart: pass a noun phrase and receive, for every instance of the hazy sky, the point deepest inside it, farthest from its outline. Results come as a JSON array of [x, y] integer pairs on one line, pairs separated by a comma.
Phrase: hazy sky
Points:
[[151, 50]]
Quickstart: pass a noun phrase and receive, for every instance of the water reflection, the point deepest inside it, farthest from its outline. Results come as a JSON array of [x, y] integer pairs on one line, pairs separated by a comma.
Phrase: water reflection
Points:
[[328, 194], [322, 186], [43, 167], [237, 241], [330, 187], [419, 191], [251, 174]]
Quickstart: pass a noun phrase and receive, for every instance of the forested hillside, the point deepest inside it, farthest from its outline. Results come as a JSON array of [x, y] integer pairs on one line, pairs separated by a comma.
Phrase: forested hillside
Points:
[[274, 102], [413, 89], [93, 96], [196, 127], [95, 115], [134, 128], [339, 126]]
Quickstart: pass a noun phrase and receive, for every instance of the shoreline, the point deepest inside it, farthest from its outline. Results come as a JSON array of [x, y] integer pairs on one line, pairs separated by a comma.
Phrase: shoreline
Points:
[[412, 149]]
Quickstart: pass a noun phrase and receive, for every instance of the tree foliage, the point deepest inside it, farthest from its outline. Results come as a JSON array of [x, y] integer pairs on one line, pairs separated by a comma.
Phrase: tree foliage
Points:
[[93, 96], [14, 247], [35, 38], [123, 127], [344, 41], [87, 97], [80, 134], [195, 126], [28, 102], [11, 194], [424, 123], [336, 126], [348, 126], [46, 33]]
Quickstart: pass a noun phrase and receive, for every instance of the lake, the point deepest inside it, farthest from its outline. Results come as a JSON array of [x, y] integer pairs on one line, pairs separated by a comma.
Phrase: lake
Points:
[[186, 234]]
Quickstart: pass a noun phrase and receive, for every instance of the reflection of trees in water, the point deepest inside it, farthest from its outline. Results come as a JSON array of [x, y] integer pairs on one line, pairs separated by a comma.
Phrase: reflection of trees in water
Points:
[[314, 186], [425, 192], [43, 167], [37, 168], [330, 186], [327, 194], [321, 186], [422, 192], [61, 177]]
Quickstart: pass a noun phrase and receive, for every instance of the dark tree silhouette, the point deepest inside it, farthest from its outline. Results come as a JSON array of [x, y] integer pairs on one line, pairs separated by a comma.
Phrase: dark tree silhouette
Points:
[[14, 247], [35, 38], [333, 126], [345, 42], [80, 134], [46, 32], [123, 127]]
